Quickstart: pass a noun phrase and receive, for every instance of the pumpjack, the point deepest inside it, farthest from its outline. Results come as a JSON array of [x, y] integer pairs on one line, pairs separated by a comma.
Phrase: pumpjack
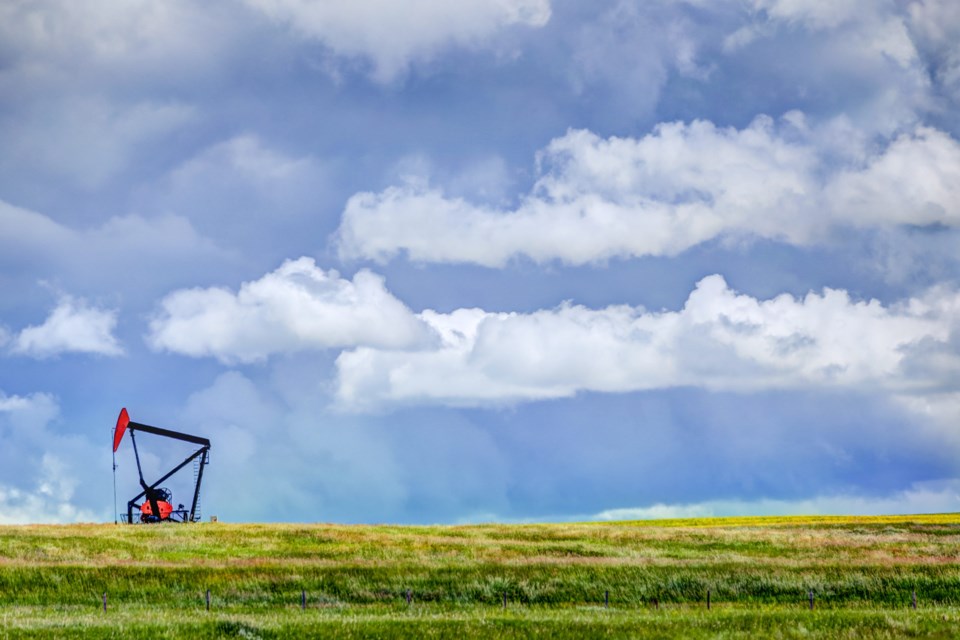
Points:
[[156, 505]]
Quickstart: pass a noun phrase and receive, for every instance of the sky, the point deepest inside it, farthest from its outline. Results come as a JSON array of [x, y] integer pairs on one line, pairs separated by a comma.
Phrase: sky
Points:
[[484, 260]]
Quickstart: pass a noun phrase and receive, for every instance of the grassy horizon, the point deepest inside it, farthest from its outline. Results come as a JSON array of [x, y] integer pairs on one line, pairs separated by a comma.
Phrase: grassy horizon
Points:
[[863, 571]]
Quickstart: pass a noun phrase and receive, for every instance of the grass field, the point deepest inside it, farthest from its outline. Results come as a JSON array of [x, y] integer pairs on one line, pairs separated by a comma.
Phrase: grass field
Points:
[[759, 572]]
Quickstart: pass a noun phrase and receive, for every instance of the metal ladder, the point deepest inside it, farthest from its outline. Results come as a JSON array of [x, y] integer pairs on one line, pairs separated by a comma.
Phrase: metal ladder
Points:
[[198, 516]]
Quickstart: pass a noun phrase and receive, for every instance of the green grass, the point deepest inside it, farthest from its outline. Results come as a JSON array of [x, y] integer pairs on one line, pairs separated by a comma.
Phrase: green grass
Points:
[[863, 572], [473, 622]]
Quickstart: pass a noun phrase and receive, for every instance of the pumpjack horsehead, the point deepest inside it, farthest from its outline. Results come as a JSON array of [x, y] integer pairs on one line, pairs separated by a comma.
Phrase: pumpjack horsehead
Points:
[[156, 503]]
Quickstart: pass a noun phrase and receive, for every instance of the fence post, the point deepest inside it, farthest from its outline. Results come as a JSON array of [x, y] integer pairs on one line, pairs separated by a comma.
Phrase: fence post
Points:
[[708, 599], [409, 596], [303, 599], [208, 599], [606, 599], [504, 599], [105, 602], [811, 599], [914, 598]]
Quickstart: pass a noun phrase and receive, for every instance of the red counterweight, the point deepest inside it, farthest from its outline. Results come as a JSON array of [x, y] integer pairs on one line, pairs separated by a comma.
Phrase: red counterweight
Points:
[[146, 511]]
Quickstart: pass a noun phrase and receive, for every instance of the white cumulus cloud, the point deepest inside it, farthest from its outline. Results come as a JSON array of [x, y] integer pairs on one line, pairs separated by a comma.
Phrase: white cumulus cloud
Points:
[[719, 340], [299, 306], [393, 34], [679, 186], [74, 326]]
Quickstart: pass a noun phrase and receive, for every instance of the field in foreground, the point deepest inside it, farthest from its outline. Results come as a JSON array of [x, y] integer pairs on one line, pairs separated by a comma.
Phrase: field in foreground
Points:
[[557, 579]]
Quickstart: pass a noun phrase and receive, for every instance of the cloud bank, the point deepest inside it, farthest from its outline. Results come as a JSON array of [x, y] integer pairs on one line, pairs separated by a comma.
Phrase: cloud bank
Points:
[[720, 340], [155, 151], [681, 185]]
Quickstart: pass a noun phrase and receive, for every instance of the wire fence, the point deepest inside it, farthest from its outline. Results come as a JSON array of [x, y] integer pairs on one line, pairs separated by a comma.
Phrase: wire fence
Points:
[[305, 601]]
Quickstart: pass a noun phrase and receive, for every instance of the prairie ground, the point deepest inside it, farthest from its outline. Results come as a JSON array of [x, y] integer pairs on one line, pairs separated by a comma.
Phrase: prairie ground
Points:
[[624, 579]]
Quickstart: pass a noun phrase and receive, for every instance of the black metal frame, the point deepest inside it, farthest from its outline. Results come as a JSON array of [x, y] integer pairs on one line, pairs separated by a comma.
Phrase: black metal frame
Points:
[[150, 490]]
